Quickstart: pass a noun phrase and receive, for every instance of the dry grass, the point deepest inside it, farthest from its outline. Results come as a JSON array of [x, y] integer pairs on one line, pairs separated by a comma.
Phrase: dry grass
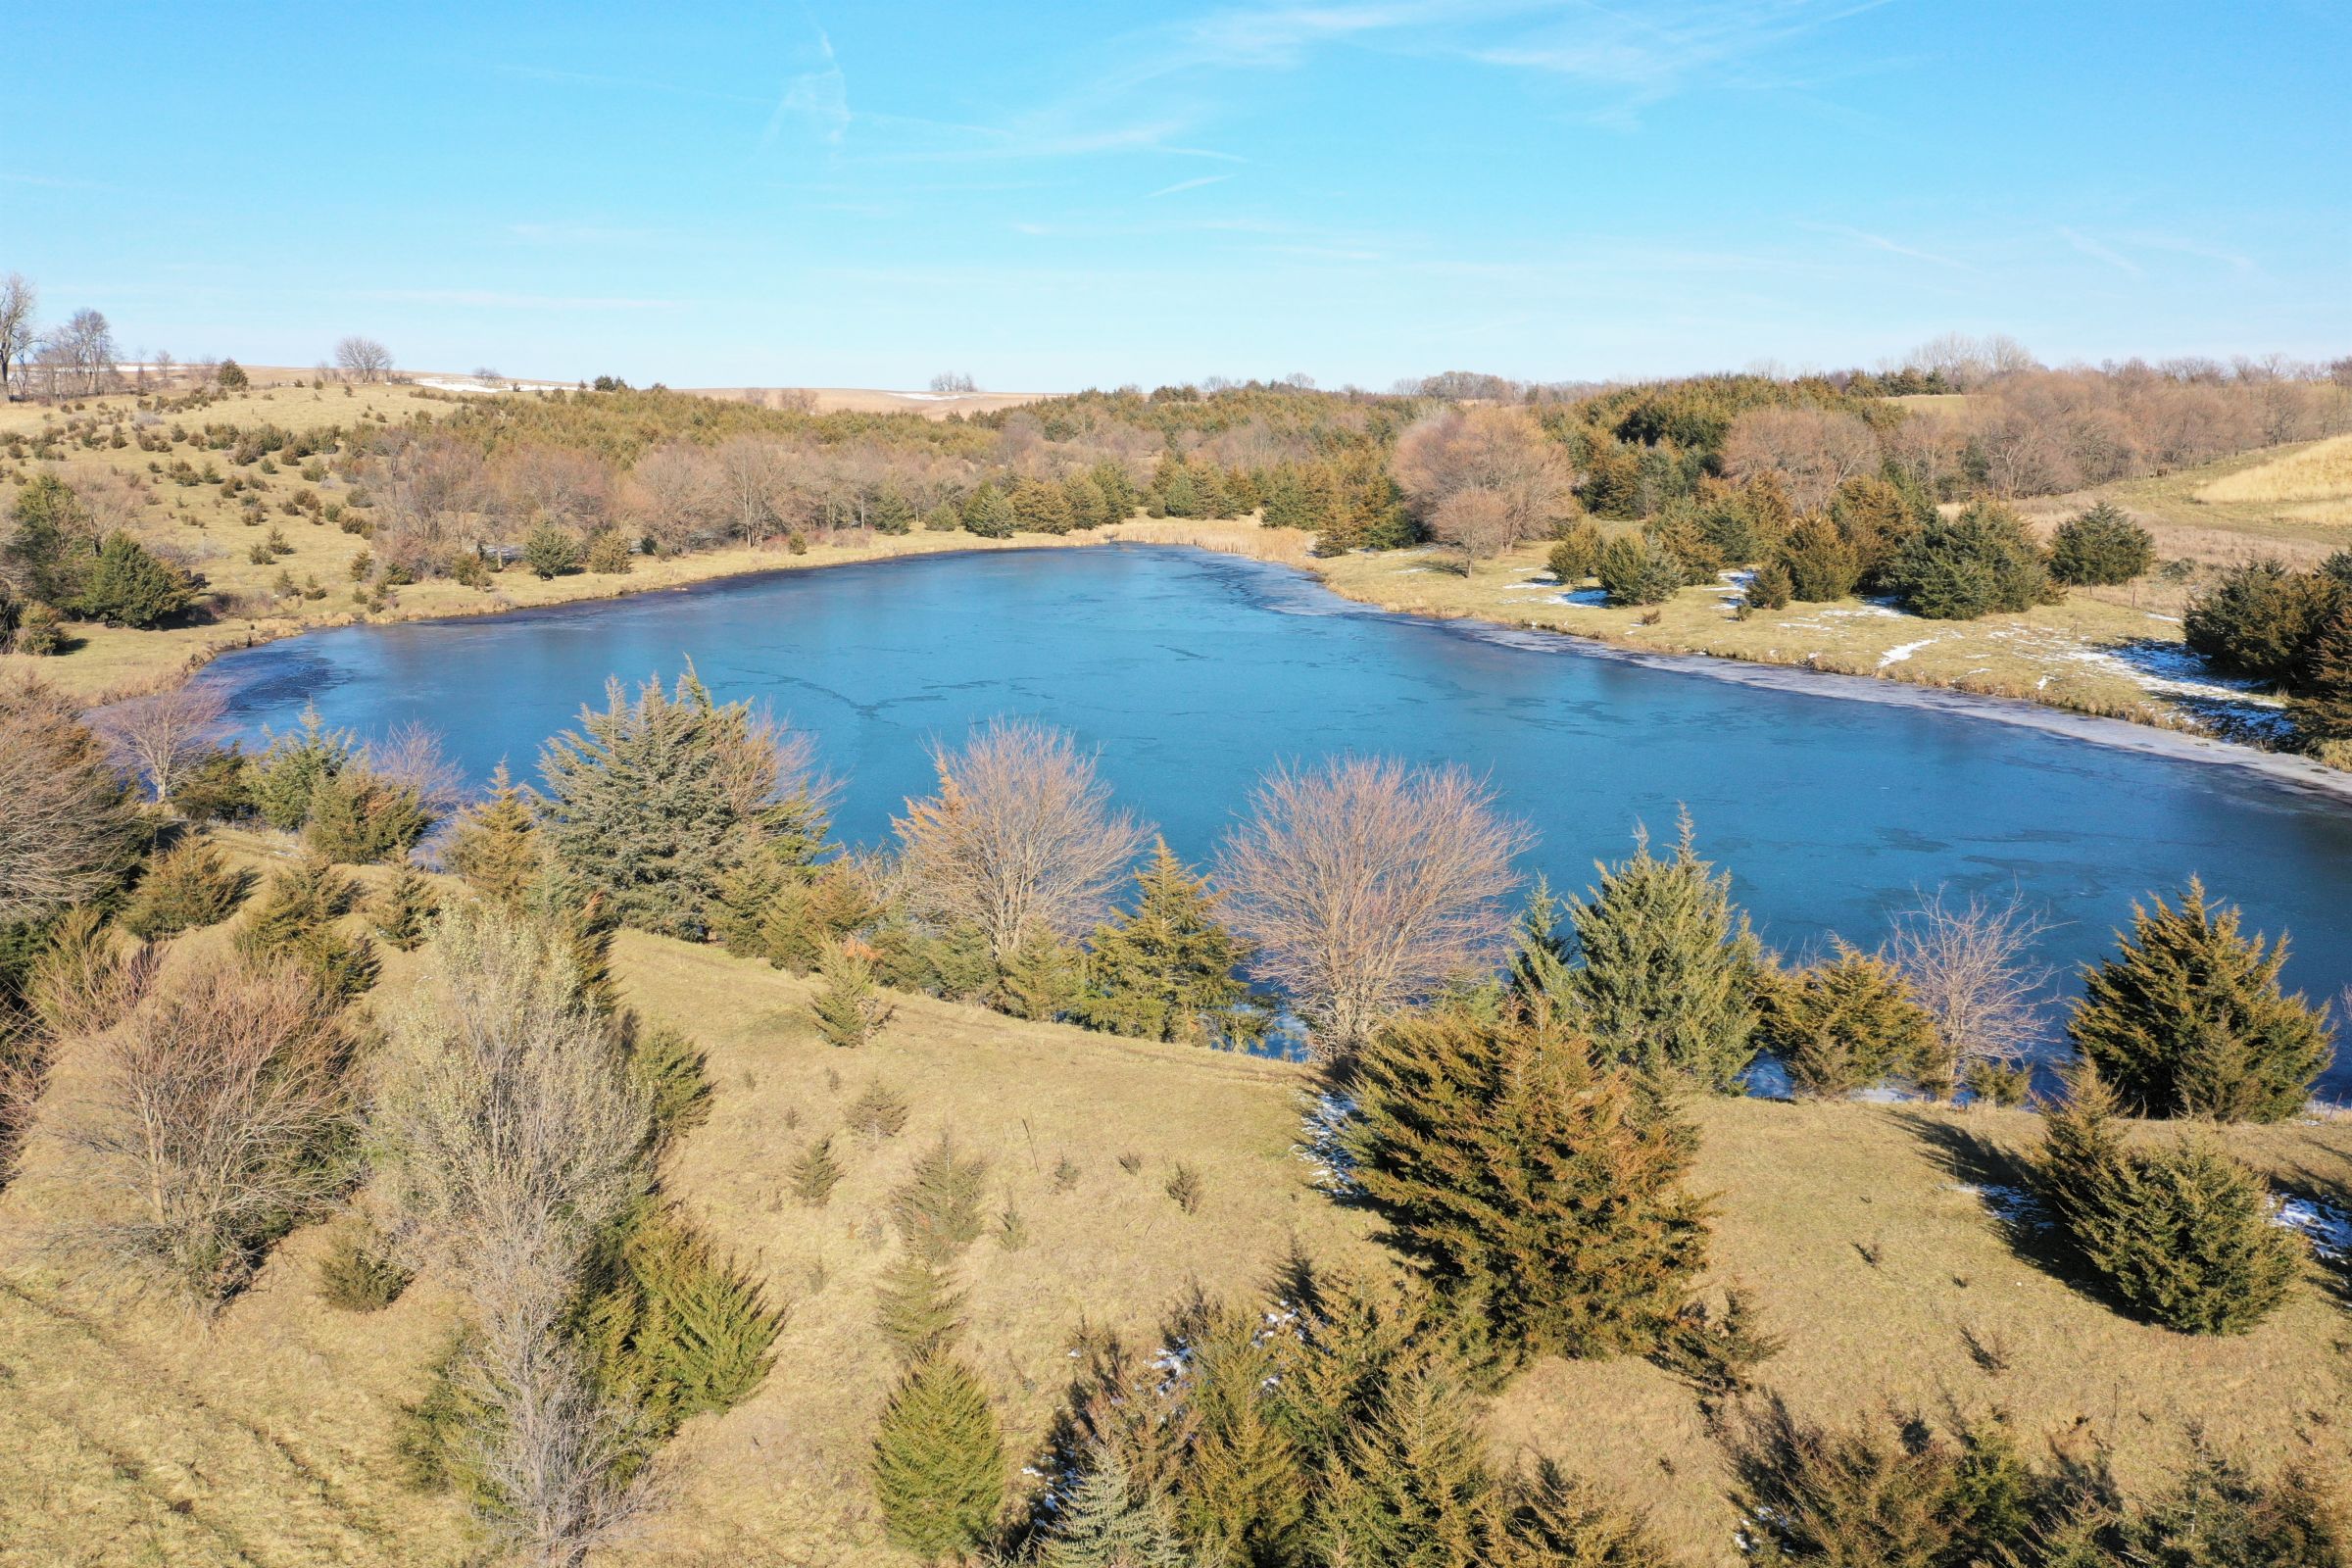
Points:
[[268, 1438], [2321, 471]]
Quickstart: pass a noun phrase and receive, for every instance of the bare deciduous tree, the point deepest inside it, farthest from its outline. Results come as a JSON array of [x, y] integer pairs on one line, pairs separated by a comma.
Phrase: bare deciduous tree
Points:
[[752, 474], [411, 758], [1502, 452], [362, 358], [952, 382], [215, 1120], [1812, 450], [1021, 838], [155, 736], [1478, 522], [674, 493], [18, 299], [570, 489], [1972, 965], [63, 822], [1365, 883], [510, 1134]]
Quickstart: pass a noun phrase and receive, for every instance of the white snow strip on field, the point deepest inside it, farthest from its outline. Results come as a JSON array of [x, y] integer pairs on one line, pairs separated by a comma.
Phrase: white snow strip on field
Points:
[[1897, 655]]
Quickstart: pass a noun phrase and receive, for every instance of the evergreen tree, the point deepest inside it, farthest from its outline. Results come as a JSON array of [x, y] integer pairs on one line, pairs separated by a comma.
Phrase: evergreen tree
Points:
[[358, 816], [1108, 1522], [1040, 506], [551, 552], [2181, 1234], [850, 1006], [126, 586], [816, 1173], [937, 1208], [1243, 1496], [2189, 1020], [1540, 949], [1164, 969], [1286, 501], [1771, 588], [939, 1462], [494, 844], [2219, 1516], [1820, 564], [650, 801], [2322, 707], [890, 511], [47, 550], [405, 910], [187, 886], [1555, 1520], [918, 1309], [942, 519], [1636, 569], [679, 1330], [2101, 546], [1412, 1485], [1084, 499], [1669, 970], [1846, 1024], [1981, 562], [293, 766], [2261, 618], [296, 922], [1040, 979], [1575, 555], [1110, 477], [988, 513], [1541, 1192], [1874, 516]]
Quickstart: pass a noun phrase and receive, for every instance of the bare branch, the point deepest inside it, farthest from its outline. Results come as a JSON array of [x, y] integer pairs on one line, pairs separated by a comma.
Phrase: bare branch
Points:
[[155, 736]]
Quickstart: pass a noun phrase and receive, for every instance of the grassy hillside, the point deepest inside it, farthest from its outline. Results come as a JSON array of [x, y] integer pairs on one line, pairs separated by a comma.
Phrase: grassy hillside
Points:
[[266, 1435]]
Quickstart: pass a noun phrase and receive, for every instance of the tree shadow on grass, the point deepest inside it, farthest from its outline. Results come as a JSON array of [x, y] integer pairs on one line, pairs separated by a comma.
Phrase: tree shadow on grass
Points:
[[2004, 1182]]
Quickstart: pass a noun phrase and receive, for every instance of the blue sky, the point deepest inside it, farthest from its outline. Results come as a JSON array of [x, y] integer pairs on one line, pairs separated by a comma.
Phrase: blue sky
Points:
[[1053, 196]]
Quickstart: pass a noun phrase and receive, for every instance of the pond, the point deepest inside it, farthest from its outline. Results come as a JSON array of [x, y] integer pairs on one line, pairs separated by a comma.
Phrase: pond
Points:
[[1193, 672]]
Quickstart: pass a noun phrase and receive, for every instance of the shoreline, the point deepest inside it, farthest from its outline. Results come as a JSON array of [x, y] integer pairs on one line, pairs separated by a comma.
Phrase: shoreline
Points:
[[1229, 542]]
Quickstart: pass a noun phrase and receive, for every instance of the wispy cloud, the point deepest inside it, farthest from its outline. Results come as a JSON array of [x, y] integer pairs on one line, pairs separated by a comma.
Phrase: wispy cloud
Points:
[[820, 97], [2101, 253], [1188, 184], [1880, 242]]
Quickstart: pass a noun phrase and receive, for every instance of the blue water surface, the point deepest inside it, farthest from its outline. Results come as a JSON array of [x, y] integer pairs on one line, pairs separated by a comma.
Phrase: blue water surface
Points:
[[1191, 673]]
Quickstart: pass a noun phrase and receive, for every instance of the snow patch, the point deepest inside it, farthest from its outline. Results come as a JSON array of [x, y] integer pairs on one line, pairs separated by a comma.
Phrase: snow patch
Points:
[[2328, 1228], [1323, 1144], [1897, 655]]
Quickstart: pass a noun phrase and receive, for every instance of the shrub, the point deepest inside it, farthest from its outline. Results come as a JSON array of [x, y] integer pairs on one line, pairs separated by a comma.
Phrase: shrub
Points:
[[403, 912], [2181, 1234], [2100, 547], [295, 924], [918, 1309], [879, 1111], [126, 586], [1577, 554], [1981, 562], [2188, 1018], [667, 1066], [1820, 564], [1770, 588], [816, 1173], [939, 1462], [1541, 1191], [937, 1208], [549, 552], [2261, 618], [1846, 1024], [293, 766], [850, 1008], [610, 553], [83, 981], [358, 1275], [680, 1330], [1635, 570], [358, 816], [1669, 970], [188, 885]]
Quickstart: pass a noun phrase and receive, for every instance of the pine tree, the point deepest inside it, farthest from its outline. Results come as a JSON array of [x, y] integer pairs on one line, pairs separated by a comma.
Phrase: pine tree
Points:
[[405, 910], [1555, 1520], [1846, 1024], [939, 1462], [850, 1008], [889, 512], [1540, 949], [1040, 506], [988, 513], [1164, 968], [1040, 979], [358, 816], [918, 1309], [2179, 1233], [126, 586], [651, 800], [1242, 1497], [675, 1075], [681, 1330], [1541, 1192], [295, 922], [2189, 1020], [937, 1208], [1770, 588], [816, 1173], [495, 844], [2101, 546], [1412, 1485], [291, 768], [186, 887], [1669, 971], [2322, 705], [1820, 564], [1108, 1522]]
